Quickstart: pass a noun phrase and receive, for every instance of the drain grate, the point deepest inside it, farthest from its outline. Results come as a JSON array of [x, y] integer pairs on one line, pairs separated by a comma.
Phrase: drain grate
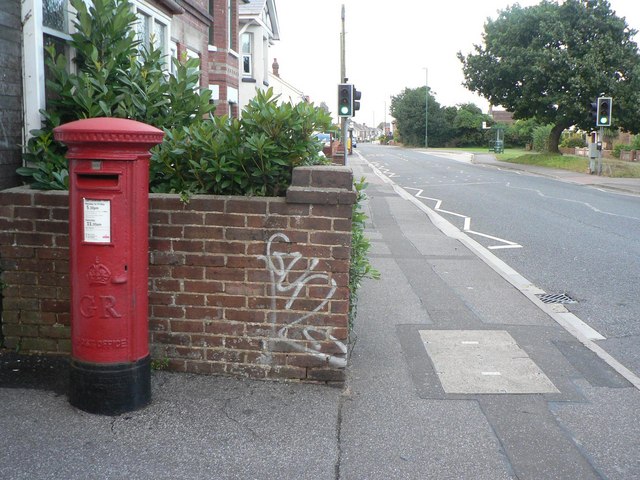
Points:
[[555, 298]]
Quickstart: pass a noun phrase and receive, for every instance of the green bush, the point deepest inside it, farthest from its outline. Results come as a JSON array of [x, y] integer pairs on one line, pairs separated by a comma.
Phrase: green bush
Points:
[[541, 138], [573, 140], [520, 133], [360, 267], [252, 156], [619, 148]]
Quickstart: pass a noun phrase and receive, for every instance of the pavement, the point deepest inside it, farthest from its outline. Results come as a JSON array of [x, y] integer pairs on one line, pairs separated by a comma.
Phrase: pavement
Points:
[[456, 372]]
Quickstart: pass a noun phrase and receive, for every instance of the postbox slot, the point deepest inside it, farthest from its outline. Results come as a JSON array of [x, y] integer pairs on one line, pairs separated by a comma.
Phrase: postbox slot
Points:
[[98, 180]]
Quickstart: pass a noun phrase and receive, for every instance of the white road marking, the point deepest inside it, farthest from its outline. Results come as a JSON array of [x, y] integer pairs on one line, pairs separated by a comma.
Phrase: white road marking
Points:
[[467, 223]]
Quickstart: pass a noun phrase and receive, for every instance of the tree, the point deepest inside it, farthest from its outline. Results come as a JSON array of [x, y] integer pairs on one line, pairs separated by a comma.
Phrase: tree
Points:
[[468, 125], [408, 108], [549, 62], [461, 125]]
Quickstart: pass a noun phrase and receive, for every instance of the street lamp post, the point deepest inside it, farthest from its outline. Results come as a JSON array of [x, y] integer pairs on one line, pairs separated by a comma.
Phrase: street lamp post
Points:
[[426, 107]]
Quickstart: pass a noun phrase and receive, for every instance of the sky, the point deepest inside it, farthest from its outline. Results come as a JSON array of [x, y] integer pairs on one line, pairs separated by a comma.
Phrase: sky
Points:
[[390, 46]]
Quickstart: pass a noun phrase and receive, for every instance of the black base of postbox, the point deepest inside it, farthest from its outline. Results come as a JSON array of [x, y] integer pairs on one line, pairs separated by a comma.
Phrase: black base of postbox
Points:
[[110, 389]]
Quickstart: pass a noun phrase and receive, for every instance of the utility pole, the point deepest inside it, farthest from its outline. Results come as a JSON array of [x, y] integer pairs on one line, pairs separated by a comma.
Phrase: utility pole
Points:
[[343, 79]]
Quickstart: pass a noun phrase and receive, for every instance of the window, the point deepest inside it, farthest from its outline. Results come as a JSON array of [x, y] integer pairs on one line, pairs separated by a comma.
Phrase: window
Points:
[[230, 29], [55, 32], [247, 55], [46, 22], [152, 27], [55, 15], [265, 61], [211, 32]]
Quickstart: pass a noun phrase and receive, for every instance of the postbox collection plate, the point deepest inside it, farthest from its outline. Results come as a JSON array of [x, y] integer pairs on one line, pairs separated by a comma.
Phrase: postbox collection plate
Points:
[[97, 220]]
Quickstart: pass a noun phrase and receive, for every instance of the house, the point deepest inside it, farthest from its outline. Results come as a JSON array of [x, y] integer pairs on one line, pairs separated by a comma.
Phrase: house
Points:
[[501, 116], [363, 133], [259, 29], [287, 92], [206, 29]]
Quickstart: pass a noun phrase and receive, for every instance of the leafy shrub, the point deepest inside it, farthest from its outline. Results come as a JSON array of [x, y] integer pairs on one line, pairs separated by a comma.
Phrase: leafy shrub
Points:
[[541, 138], [619, 148], [252, 156], [573, 140], [520, 133], [360, 267]]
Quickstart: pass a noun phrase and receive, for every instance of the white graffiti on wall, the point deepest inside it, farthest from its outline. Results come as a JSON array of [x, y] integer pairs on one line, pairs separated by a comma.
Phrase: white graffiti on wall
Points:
[[280, 266]]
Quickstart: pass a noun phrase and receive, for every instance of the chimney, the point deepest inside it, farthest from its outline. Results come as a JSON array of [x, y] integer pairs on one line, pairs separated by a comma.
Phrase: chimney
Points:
[[276, 67]]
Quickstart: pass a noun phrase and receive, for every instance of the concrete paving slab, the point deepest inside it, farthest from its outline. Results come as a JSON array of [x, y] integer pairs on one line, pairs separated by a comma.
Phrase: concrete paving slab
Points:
[[501, 304], [483, 361], [401, 437]]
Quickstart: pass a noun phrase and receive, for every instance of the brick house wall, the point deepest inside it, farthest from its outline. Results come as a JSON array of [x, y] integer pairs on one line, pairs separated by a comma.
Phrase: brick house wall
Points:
[[224, 68], [190, 31], [10, 92], [255, 287]]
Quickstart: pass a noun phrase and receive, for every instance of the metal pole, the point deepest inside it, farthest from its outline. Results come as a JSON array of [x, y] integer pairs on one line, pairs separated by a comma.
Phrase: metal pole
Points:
[[343, 76], [426, 108], [601, 139]]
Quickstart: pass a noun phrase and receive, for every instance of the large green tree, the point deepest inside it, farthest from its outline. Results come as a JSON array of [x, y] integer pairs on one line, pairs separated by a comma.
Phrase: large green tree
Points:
[[550, 61], [408, 108], [467, 125]]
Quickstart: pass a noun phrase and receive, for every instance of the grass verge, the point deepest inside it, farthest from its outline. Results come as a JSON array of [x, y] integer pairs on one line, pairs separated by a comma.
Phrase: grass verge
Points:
[[611, 167]]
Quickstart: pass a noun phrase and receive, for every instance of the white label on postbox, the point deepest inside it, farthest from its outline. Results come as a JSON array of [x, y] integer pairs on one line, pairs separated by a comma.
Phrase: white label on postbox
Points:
[[97, 221]]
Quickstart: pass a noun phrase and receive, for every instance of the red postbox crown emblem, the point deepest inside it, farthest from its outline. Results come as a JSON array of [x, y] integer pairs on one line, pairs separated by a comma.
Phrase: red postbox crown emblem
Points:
[[98, 273]]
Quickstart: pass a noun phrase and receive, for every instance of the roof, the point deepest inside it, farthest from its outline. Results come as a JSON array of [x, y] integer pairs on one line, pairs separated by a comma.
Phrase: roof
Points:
[[251, 7], [251, 10]]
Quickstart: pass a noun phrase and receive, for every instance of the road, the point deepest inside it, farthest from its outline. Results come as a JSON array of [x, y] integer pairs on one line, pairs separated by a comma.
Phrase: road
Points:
[[566, 239]]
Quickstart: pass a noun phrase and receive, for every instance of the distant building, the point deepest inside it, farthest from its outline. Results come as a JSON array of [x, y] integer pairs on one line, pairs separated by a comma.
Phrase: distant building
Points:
[[259, 29], [363, 133], [501, 116], [287, 92]]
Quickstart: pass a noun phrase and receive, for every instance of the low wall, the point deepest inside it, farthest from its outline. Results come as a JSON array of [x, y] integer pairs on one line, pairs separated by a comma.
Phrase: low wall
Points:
[[629, 155], [256, 287]]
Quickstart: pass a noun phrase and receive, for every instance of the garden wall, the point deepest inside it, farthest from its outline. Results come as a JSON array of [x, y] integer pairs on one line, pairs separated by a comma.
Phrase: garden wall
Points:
[[255, 287]]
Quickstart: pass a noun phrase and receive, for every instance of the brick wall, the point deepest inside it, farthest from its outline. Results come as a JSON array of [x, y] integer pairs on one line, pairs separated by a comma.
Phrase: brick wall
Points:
[[245, 286]]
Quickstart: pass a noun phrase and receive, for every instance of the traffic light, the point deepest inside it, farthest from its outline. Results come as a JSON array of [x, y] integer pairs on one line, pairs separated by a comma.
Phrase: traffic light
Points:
[[357, 95], [593, 112], [345, 100], [603, 118]]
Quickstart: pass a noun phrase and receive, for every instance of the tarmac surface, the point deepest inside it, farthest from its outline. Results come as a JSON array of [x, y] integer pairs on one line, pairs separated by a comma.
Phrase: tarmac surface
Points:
[[455, 373]]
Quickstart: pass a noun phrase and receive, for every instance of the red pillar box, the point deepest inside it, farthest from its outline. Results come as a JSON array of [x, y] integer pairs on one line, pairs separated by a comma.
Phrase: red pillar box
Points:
[[108, 229]]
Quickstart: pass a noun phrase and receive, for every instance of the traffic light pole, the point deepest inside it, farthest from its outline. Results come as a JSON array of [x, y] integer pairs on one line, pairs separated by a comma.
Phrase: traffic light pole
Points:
[[601, 144]]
